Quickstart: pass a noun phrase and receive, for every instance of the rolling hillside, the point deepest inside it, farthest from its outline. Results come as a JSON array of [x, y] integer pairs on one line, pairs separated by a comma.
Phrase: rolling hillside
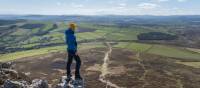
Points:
[[143, 48]]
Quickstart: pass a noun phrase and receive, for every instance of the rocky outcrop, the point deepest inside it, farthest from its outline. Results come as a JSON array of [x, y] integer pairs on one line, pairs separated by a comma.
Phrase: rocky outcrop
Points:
[[72, 84], [39, 83], [8, 65], [15, 84], [62, 83], [10, 78]]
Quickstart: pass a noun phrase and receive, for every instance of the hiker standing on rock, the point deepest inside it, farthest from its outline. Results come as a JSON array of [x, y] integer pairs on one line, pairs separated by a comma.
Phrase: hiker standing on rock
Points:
[[72, 52]]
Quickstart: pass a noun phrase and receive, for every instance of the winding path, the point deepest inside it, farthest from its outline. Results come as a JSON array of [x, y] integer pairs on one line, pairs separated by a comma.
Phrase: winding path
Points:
[[104, 69], [143, 77]]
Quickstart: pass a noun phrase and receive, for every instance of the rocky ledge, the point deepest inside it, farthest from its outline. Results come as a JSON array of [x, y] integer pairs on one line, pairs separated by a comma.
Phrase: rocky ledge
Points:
[[10, 78]]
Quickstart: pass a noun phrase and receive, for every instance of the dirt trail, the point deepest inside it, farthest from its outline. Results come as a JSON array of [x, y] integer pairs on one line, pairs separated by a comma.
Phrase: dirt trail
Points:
[[143, 77], [104, 69]]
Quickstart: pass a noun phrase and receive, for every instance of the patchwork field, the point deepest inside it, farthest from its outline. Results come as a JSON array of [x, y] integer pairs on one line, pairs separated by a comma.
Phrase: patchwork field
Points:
[[117, 52]]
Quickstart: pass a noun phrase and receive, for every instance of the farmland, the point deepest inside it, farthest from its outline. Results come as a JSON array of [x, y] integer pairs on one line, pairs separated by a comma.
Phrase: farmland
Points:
[[142, 47]]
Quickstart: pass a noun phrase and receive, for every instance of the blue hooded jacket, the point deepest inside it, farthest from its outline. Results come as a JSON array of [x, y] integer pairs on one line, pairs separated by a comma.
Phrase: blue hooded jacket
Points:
[[71, 40]]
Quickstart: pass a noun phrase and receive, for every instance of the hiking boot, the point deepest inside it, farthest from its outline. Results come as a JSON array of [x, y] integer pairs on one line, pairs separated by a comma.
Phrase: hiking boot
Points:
[[78, 77], [69, 78]]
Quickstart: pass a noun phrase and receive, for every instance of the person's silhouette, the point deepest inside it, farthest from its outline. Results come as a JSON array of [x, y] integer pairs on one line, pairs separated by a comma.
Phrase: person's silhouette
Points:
[[72, 52]]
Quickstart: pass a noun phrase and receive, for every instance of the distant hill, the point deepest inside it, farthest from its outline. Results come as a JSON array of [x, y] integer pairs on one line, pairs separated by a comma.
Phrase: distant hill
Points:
[[108, 18], [48, 30]]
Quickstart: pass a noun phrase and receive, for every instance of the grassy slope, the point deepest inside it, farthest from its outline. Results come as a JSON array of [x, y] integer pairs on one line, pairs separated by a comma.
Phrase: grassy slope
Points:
[[110, 33], [28, 53], [194, 50], [35, 52], [134, 46], [192, 64], [174, 52], [162, 50]]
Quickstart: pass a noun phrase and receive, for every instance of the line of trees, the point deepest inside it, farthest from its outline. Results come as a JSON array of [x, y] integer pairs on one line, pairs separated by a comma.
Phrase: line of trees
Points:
[[156, 36]]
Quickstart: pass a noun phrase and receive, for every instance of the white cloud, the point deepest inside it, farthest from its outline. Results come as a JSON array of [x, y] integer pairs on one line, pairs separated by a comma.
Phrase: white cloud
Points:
[[75, 5], [121, 6], [147, 6], [118, 7]]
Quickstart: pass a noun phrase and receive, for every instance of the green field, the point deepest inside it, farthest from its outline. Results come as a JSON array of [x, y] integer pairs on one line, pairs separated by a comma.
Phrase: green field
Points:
[[36, 52], [112, 32], [134, 46], [176, 52], [168, 51], [28, 38], [28, 53], [192, 64]]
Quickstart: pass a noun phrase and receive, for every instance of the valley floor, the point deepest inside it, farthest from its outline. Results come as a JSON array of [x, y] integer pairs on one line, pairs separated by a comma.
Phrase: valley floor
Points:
[[126, 69]]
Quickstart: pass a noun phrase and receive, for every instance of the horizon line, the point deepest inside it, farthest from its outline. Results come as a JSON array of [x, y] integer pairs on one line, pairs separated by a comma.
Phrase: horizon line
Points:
[[93, 15]]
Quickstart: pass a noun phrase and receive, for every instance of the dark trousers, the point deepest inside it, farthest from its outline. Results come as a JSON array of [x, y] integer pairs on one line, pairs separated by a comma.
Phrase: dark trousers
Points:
[[71, 56]]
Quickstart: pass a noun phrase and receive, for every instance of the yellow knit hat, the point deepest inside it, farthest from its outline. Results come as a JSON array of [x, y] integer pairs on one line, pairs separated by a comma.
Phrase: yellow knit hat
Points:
[[72, 25]]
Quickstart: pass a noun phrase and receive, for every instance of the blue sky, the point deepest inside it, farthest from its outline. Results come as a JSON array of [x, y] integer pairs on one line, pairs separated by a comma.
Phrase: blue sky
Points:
[[101, 7]]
